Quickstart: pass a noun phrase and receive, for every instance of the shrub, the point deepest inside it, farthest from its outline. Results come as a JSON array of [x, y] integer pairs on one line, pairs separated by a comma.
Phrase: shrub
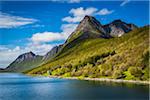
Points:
[[100, 61], [67, 75], [118, 74], [145, 60], [146, 74], [68, 67], [135, 71]]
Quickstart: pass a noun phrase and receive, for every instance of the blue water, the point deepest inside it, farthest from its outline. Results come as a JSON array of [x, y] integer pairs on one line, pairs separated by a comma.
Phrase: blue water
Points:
[[20, 87]]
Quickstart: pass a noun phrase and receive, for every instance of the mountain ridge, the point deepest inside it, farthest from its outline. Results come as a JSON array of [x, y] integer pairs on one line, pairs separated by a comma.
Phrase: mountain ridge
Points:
[[88, 28]]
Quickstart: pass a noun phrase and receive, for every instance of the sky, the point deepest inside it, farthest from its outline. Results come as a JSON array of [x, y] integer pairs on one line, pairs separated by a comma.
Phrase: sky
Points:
[[38, 26]]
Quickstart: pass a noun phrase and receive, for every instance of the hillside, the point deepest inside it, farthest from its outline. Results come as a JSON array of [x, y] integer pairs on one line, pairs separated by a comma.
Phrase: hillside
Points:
[[124, 57], [24, 62]]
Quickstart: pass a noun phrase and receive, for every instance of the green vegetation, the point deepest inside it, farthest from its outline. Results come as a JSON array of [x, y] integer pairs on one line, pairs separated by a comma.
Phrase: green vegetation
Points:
[[125, 57]]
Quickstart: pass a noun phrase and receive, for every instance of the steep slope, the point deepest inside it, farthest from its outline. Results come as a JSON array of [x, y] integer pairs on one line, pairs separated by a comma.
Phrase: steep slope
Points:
[[52, 53], [89, 27], [24, 62], [125, 57]]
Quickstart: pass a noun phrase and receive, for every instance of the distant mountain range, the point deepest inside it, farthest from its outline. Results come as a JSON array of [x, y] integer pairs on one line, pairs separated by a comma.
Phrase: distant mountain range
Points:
[[117, 50]]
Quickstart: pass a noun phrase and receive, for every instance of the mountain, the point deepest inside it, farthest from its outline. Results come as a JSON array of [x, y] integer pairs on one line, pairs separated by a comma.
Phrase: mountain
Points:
[[117, 50], [24, 62], [89, 27], [117, 28]]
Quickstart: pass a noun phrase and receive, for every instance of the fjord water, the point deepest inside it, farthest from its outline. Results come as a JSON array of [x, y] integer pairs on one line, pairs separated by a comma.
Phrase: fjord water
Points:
[[14, 86]]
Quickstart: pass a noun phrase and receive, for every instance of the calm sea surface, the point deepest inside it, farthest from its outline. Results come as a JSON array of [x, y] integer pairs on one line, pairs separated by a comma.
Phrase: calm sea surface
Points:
[[14, 86]]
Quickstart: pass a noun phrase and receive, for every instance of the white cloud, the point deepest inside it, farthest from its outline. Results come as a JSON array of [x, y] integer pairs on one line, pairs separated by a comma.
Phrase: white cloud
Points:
[[82, 12], [74, 1], [8, 55], [67, 29], [67, 1], [10, 21], [124, 2], [40, 49], [72, 19], [105, 11], [79, 13], [46, 37]]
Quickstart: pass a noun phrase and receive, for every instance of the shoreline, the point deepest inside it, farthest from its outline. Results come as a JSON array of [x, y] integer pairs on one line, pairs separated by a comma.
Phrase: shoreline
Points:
[[104, 80]]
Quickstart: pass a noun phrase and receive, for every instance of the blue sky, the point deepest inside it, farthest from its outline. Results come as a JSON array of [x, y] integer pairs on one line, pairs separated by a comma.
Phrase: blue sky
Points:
[[38, 26]]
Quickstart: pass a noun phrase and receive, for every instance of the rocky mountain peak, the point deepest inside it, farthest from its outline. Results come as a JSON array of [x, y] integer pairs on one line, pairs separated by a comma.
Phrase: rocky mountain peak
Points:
[[26, 56], [88, 23], [87, 17], [52, 52], [118, 27], [89, 27]]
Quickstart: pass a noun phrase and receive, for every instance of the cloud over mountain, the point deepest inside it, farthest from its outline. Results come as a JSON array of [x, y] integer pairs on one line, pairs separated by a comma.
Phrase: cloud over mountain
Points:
[[79, 13]]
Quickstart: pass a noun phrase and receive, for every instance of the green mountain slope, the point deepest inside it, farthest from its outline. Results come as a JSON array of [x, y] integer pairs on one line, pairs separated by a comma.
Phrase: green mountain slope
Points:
[[123, 57]]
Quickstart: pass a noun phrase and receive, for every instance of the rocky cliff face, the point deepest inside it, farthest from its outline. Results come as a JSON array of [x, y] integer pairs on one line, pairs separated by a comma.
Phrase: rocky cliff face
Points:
[[25, 56], [52, 53], [117, 28]]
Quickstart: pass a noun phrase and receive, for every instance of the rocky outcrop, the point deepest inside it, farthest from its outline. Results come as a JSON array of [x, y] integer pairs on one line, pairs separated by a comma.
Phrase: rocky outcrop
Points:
[[117, 28], [52, 53]]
